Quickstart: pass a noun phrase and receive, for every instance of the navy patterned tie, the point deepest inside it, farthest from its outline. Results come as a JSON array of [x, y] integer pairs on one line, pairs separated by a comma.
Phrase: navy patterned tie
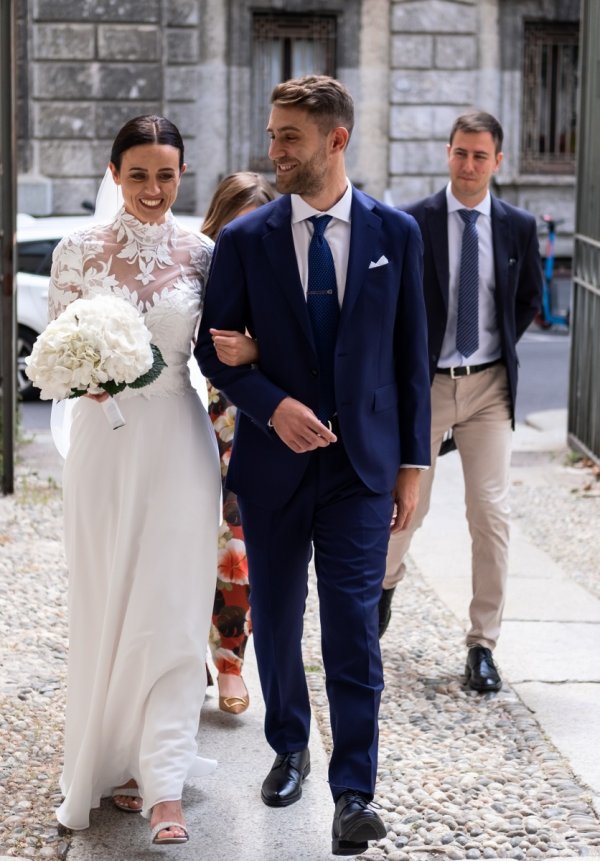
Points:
[[323, 310], [467, 325]]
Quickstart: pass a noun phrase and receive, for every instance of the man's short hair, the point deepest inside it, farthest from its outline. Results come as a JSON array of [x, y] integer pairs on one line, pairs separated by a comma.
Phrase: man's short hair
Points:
[[479, 121], [326, 100]]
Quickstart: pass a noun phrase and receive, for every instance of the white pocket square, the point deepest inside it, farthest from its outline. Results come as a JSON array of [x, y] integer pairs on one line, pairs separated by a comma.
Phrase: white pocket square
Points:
[[383, 261]]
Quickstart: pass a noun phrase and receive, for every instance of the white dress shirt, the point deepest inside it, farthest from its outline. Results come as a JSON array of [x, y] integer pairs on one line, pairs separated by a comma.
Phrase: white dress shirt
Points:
[[489, 333]]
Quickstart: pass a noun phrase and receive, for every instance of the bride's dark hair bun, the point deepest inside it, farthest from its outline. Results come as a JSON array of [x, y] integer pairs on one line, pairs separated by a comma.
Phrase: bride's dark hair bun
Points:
[[146, 129]]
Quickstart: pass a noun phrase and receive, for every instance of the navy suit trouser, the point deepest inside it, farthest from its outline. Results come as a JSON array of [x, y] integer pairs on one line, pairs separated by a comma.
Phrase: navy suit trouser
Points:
[[348, 525]]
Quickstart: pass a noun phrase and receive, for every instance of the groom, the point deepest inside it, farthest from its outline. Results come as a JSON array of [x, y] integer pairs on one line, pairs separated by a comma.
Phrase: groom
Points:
[[334, 424]]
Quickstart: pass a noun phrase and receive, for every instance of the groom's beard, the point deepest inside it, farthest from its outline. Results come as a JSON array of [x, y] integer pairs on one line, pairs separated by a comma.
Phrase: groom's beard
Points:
[[308, 179]]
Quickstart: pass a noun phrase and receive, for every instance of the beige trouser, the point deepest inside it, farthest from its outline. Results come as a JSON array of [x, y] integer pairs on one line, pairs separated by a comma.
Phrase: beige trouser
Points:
[[477, 408]]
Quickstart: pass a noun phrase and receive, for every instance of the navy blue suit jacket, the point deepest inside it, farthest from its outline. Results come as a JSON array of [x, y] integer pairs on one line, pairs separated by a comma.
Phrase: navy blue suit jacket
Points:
[[381, 365], [517, 269]]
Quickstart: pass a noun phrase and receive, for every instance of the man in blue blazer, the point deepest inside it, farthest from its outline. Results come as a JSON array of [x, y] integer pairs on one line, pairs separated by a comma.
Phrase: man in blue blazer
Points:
[[333, 428], [473, 363]]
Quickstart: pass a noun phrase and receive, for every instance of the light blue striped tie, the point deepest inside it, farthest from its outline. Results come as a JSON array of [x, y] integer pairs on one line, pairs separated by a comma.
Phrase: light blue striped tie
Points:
[[467, 325]]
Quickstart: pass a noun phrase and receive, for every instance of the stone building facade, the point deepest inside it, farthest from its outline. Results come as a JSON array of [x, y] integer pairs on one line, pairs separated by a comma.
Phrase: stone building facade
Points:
[[86, 66]]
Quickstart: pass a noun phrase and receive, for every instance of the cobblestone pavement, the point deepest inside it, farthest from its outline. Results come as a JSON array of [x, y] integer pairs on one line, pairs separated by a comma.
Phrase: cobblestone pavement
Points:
[[461, 775]]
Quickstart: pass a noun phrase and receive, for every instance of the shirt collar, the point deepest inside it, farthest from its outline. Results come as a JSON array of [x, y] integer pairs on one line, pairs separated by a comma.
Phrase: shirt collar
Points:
[[485, 206], [301, 210]]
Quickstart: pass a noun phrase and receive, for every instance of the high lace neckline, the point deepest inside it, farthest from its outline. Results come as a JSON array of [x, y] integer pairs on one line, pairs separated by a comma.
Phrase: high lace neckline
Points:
[[144, 232]]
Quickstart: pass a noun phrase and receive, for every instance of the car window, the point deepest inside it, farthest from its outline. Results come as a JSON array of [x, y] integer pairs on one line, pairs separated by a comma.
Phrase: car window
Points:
[[35, 257]]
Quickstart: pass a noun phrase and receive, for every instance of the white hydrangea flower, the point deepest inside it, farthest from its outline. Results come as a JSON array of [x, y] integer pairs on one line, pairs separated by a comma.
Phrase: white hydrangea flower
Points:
[[94, 341]]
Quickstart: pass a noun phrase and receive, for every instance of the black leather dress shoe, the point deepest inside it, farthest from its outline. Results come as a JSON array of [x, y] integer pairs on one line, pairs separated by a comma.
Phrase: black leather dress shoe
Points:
[[481, 671], [283, 784], [385, 609], [354, 824]]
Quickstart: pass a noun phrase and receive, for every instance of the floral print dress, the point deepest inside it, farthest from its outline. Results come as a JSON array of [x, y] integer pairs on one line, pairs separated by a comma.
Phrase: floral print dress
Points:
[[231, 624]]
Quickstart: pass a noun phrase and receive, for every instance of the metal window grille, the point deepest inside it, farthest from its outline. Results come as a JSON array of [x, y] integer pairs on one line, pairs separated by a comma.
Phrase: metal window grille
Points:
[[549, 98], [285, 46]]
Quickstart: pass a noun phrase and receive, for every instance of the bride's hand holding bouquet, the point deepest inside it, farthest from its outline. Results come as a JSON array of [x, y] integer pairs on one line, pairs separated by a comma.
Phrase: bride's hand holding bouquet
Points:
[[96, 347]]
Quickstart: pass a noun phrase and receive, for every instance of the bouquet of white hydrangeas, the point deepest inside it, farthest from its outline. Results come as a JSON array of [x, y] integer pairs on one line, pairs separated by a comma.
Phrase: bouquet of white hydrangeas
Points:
[[96, 345]]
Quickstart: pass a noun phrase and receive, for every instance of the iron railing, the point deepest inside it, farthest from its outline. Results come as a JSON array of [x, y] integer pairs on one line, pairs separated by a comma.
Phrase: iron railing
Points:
[[584, 389]]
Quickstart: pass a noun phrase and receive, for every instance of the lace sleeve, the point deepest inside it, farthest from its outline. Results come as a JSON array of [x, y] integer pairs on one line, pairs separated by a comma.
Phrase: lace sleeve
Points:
[[66, 277], [201, 257]]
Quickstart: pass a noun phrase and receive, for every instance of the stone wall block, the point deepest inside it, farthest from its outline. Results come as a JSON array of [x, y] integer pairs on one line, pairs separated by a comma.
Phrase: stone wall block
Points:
[[182, 83], [444, 116], [434, 16], [417, 157], [128, 42], [411, 122], [423, 122], [182, 12], [63, 41], [129, 81], [188, 122], [110, 116], [64, 120], [412, 52], [432, 87], [407, 189], [140, 11], [182, 46], [73, 158], [68, 194], [455, 52], [64, 81]]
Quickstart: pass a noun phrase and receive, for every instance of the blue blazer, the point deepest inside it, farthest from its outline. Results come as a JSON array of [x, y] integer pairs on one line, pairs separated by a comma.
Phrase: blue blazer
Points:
[[517, 270], [381, 363]]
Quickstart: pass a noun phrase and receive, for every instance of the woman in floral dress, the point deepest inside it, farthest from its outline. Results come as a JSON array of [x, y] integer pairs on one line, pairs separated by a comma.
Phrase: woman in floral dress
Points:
[[236, 195]]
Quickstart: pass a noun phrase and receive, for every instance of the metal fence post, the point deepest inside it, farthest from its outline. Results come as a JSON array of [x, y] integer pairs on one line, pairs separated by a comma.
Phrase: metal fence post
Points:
[[8, 194]]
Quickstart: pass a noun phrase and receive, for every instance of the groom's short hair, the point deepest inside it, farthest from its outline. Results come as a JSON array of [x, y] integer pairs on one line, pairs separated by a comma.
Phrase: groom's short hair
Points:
[[325, 99]]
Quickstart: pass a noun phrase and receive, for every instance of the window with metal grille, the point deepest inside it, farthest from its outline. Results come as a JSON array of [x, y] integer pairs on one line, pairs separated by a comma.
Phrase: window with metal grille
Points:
[[285, 46], [549, 98]]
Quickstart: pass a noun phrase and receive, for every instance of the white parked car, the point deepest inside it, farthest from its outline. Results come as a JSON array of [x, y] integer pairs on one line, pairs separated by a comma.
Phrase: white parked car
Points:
[[36, 240]]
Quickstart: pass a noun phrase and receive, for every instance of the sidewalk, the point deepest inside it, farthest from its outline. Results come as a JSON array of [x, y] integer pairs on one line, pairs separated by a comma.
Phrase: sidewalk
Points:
[[513, 775]]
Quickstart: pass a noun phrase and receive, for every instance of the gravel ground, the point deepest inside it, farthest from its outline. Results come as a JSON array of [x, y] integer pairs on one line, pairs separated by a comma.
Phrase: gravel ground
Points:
[[558, 508], [461, 776], [33, 634]]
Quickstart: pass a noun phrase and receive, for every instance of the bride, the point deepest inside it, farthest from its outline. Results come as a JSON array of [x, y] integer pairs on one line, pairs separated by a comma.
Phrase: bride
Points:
[[141, 507]]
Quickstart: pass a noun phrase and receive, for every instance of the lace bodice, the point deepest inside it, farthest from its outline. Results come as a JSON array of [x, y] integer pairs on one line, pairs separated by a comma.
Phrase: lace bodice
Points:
[[159, 268]]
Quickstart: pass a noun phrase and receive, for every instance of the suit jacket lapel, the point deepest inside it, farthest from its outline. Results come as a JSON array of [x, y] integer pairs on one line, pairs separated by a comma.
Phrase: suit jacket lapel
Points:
[[364, 230], [279, 246], [501, 241], [436, 216]]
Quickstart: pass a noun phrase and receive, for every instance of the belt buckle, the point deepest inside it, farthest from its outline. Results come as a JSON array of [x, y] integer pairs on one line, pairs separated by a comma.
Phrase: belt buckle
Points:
[[465, 368]]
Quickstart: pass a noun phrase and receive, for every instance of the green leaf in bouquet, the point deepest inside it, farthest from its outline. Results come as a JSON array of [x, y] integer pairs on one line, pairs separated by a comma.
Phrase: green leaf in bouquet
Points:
[[155, 371], [113, 388]]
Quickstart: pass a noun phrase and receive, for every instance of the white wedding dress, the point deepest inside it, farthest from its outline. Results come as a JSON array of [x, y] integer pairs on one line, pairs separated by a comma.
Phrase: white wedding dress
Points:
[[141, 508]]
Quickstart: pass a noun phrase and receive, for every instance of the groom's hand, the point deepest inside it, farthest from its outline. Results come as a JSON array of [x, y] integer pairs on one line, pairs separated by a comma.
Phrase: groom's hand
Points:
[[299, 428], [406, 497]]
